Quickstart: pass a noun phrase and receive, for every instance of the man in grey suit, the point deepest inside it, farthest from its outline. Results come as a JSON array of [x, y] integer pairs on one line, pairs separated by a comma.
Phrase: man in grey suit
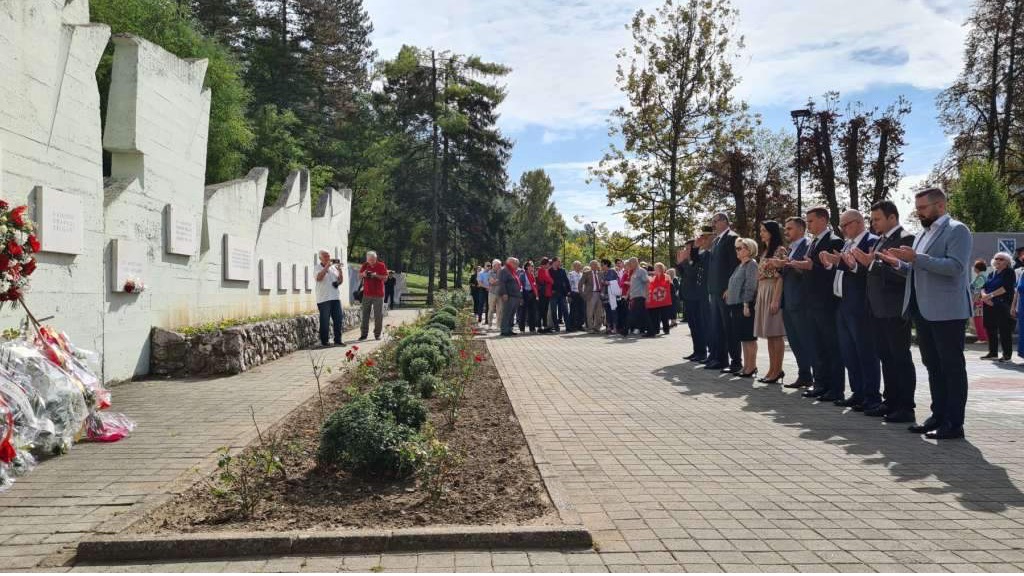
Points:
[[938, 298], [510, 290]]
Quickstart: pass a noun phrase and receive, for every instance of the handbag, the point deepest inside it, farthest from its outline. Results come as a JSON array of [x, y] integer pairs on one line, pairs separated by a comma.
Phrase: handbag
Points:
[[358, 294]]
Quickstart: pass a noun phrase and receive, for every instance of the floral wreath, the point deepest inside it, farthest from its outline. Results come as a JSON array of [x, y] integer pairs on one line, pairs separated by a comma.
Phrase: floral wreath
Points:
[[17, 244]]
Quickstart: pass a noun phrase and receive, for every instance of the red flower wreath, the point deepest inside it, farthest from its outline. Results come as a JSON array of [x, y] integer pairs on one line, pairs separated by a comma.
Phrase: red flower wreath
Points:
[[18, 243]]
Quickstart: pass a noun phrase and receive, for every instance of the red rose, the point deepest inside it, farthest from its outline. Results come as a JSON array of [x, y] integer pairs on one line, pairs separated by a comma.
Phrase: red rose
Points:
[[18, 216], [3, 205], [13, 248], [33, 242], [370, 362], [5, 262], [29, 267], [13, 293], [479, 358]]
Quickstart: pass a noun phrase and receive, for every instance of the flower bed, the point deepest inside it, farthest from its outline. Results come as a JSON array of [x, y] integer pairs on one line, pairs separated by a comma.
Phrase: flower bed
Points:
[[370, 452], [226, 348]]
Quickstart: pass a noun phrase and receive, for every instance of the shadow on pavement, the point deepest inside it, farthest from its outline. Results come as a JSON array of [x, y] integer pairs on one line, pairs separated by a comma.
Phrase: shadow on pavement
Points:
[[978, 484]]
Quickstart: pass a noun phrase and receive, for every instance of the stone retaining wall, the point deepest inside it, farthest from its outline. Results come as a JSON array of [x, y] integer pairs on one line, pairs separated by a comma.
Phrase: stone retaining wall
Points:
[[238, 348]]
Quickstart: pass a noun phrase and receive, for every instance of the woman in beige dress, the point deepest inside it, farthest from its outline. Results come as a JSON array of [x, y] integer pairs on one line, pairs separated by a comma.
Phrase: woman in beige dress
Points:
[[768, 310]]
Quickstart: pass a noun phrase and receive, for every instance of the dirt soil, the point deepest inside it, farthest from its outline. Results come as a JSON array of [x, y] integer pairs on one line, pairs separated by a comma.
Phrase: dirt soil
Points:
[[497, 482]]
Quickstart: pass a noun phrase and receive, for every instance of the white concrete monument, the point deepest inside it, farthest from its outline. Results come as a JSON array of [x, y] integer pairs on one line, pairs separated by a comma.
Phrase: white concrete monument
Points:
[[129, 263], [237, 259], [60, 220]]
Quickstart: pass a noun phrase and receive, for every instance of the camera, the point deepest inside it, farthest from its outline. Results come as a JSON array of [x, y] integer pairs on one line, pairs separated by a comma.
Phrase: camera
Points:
[[335, 261]]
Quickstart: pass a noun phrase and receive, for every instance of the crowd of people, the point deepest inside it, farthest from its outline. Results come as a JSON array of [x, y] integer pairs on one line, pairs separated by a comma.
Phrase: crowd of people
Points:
[[845, 302]]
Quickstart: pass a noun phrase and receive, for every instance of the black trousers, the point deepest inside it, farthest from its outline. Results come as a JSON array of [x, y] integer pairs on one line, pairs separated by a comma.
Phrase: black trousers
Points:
[[942, 351], [638, 317], [999, 325], [892, 341], [622, 316], [698, 331], [527, 313], [828, 365], [662, 316], [728, 340], [577, 312], [542, 312]]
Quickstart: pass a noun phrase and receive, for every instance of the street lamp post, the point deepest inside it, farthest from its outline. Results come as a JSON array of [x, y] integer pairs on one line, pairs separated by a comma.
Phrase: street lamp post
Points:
[[800, 119], [593, 240]]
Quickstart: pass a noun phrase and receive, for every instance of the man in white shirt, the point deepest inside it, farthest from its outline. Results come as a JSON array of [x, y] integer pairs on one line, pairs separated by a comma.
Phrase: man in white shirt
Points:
[[576, 305], [328, 297]]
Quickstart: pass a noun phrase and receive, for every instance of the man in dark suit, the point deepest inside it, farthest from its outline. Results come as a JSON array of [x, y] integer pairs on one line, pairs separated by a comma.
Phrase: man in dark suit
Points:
[[794, 316], [693, 289], [856, 343], [510, 288], [720, 267], [891, 330], [820, 303], [560, 291], [938, 297]]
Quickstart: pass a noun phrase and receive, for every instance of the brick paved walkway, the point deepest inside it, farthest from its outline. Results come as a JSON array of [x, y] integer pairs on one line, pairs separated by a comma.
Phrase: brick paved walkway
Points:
[[675, 468], [181, 424]]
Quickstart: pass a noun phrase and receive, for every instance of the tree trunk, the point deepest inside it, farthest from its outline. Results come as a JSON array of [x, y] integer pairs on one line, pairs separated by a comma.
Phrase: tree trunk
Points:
[[435, 182], [1011, 84], [853, 160], [991, 125], [736, 188], [827, 166]]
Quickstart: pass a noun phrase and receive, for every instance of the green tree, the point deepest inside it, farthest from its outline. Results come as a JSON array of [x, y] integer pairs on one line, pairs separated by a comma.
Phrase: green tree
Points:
[[163, 22], [678, 82], [536, 225], [981, 200]]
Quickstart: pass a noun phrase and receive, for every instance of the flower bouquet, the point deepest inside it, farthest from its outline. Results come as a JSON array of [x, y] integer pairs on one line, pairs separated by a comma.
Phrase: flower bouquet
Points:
[[134, 286], [17, 245]]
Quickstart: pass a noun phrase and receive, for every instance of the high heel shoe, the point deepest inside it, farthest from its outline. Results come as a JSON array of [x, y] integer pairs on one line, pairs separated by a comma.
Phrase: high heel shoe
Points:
[[772, 380], [747, 374]]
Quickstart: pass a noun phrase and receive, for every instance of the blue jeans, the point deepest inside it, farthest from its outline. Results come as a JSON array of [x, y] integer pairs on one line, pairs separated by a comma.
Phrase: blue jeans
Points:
[[330, 311]]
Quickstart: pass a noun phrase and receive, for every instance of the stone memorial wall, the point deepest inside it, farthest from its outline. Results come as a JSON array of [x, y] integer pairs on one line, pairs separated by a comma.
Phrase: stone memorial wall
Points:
[[202, 253]]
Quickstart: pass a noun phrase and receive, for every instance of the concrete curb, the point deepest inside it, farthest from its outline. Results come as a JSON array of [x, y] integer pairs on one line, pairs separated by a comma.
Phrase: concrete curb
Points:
[[247, 544]]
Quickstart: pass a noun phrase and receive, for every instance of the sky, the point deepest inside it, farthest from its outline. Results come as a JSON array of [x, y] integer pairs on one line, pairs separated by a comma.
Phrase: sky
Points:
[[562, 55]]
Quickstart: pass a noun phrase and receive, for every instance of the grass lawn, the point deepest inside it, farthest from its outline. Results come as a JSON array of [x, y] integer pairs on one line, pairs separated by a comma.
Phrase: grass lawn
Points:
[[417, 284]]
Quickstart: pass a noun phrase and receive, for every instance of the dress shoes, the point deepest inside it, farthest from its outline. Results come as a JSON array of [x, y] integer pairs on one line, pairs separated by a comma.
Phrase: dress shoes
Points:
[[731, 370], [900, 416], [857, 407], [713, 365], [877, 411], [927, 426], [799, 383], [945, 433], [690, 357], [812, 393], [829, 398]]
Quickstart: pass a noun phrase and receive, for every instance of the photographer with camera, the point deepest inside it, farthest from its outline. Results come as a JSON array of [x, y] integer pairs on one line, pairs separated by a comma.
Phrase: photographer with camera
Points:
[[373, 273], [328, 297]]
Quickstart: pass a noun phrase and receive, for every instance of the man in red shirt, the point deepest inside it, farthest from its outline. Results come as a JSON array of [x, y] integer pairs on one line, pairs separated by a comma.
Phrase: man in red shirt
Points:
[[373, 273]]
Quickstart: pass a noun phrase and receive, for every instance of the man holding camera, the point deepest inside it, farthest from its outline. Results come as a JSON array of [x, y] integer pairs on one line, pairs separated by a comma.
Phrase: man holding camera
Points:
[[328, 298], [373, 273]]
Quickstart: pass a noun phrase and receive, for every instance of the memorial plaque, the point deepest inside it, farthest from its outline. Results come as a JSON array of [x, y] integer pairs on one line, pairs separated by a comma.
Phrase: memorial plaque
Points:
[[306, 275], [237, 258], [128, 262], [180, 232], [295, 277], [266, 275], [280, 277], [60, 221]]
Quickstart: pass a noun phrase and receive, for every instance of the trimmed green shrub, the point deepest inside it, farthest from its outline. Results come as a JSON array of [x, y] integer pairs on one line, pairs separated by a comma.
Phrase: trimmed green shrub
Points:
[[450, 310], [435, 337], [361, 439], [445, 331], [417, 369], [428, 384], [396, 398], [445, 319]]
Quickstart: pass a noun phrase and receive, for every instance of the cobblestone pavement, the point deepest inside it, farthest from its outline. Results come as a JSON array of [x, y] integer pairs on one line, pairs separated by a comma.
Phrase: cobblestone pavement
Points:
[[674, 468], [181, 424]]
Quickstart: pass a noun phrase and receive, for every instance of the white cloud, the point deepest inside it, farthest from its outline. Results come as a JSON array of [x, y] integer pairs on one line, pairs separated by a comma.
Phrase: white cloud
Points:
[[563, 52], [552, 136]]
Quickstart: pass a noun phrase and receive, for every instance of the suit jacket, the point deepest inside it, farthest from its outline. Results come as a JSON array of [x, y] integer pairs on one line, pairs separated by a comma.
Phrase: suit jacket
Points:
[[818, 289], [587, 283], [886, 285], [691, 274], [561, 282], [794, 281], [721, 264], [855, 282], [508, 284], [941, 274]]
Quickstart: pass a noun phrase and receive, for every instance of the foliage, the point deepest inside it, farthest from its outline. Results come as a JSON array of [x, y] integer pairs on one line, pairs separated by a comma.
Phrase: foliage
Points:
[[214, 326], [428, 384], [245, 480], [363, 440], [396, 398], [434, 461], [444, 319], [981, 199], [418, 359], [678, 80], [537, 228], [164, 23], [450, 309]]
